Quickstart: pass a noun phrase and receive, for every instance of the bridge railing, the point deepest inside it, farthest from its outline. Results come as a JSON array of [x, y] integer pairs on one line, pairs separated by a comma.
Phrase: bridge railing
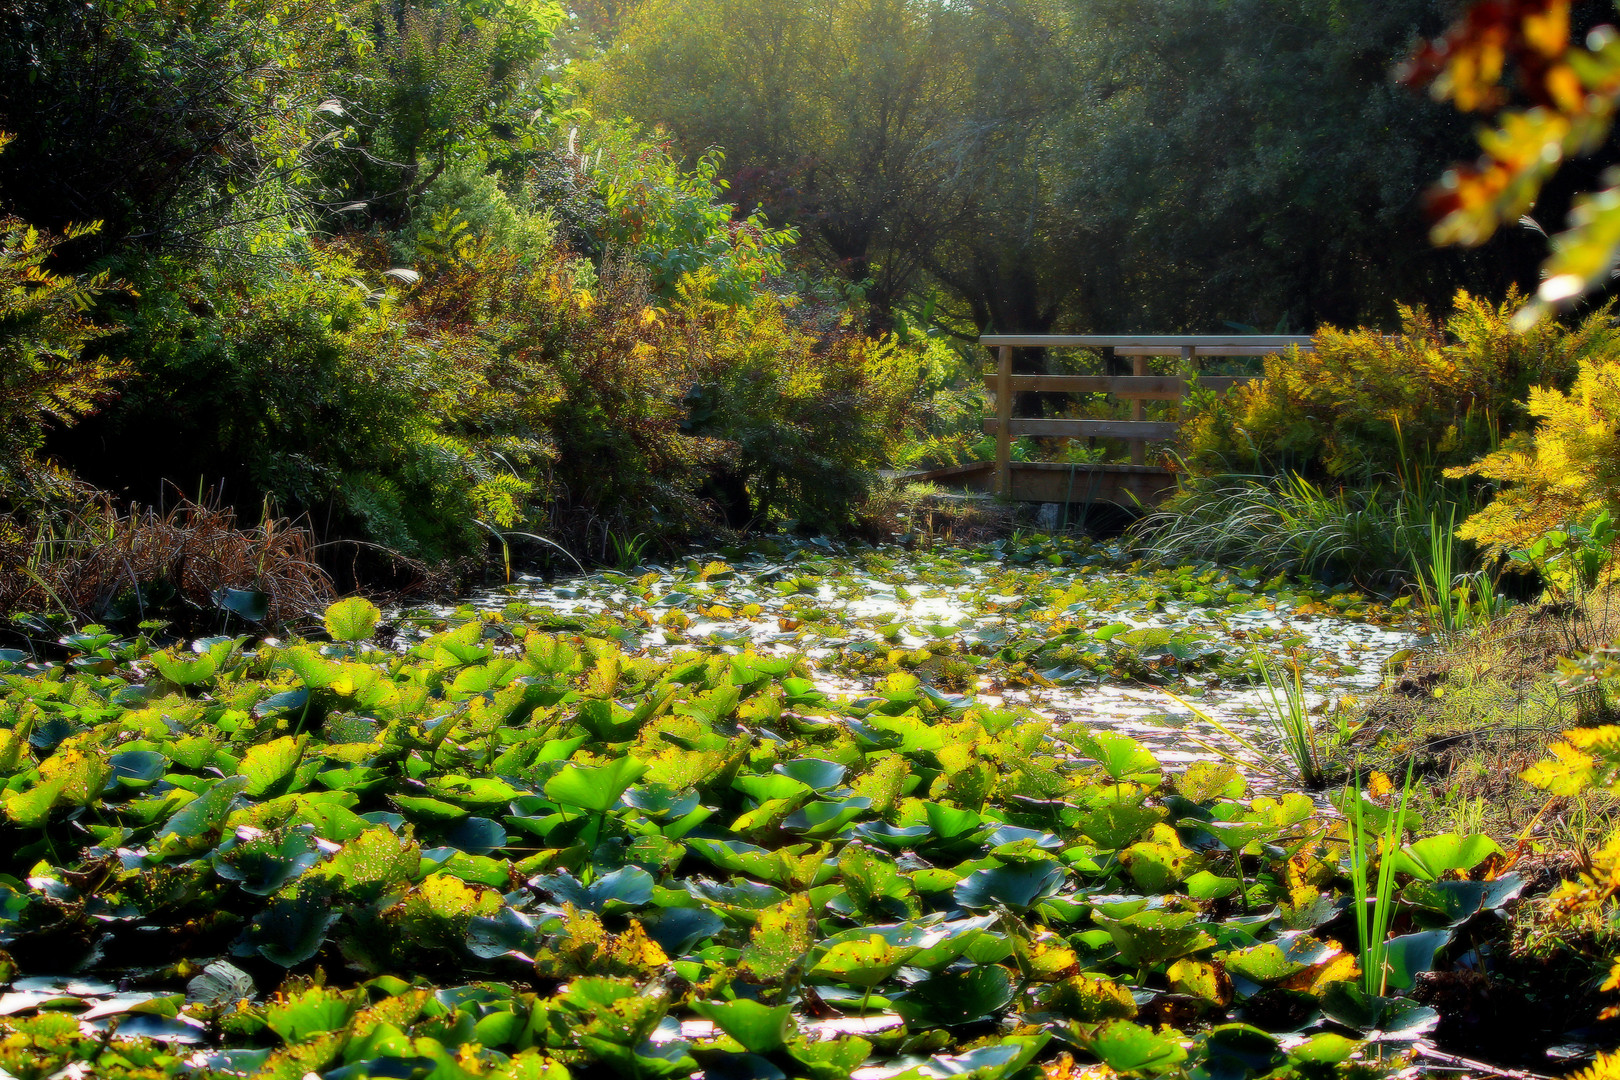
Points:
[[1138, 388]]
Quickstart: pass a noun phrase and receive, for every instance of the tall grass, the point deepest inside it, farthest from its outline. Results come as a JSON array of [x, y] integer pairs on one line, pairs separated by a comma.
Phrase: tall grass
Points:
[[86, 561], [1293, 753], [1375, 904], [1287, 524]]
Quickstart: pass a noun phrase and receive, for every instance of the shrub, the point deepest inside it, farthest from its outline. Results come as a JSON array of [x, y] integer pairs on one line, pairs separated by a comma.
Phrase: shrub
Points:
[[1564, 472], [295, 377], [806, 417], [1355, 406], [45, 375]]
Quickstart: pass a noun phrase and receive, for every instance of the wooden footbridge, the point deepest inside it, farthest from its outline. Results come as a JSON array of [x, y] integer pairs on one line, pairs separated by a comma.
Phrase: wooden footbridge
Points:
[[1122, 484]]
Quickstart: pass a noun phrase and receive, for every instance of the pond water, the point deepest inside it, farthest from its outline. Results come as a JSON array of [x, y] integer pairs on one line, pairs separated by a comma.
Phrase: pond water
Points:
[[1068, 632]]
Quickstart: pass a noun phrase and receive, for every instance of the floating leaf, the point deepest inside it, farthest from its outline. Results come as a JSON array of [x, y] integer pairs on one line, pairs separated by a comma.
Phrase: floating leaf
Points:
[[354, 619], [760, 1028]]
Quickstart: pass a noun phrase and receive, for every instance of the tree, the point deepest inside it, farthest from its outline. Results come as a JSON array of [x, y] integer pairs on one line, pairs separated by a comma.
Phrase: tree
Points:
[[838, 116], [165, 120], [430, 86]]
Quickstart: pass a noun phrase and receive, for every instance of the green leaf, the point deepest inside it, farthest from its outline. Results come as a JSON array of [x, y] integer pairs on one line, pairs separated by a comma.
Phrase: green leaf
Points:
[[1017, 887], [760, 1028], [594, 789], [627, 887], [821, 818], [183, 670], [291, 931], [1121, 757], [1324, 1049], [862, 961], [1434, 856], [32, 808], [246, 604], [830, 1059], [261, 865], [191, 827], [1131, 1049], [1150, 937], [268, 766], [953, 998], [1239, 1051], [814, 773], [1347, 1004], [1412, 954], [354, 619], [1116, 825]]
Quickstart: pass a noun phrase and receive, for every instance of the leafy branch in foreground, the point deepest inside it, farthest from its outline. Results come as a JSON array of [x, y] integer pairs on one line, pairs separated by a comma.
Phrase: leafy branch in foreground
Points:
[[1572, 91]]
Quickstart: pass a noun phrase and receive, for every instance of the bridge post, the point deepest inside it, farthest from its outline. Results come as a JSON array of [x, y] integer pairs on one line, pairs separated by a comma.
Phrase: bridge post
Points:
[[1004, 410], [1189, 368], [1139, 367]]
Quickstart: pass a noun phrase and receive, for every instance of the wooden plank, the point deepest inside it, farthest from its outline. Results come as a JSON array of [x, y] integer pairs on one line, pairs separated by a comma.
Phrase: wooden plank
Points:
[[1004, 405], [1125, 387], [1154, 430], [1116, 341], [947, 472]]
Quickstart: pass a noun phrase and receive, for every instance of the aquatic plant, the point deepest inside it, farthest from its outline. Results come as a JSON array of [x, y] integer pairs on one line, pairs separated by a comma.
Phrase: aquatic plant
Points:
[[515, 842]]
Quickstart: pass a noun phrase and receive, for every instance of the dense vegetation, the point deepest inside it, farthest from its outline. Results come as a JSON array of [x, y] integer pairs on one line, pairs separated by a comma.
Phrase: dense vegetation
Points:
[[453, 279]]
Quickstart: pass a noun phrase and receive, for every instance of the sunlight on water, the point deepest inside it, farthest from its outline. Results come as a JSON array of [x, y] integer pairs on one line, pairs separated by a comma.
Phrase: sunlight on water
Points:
[[843, 611]]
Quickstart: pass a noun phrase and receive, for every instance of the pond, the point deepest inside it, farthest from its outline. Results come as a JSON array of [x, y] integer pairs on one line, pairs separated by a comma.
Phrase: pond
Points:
[[1070, 632]]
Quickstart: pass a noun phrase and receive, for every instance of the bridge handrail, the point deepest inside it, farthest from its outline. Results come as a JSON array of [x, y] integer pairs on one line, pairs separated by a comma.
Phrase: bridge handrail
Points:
[[1137, 387], [1272, 342]]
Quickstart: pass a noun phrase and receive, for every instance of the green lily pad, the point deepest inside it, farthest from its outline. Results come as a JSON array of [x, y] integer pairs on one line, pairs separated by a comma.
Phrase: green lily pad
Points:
[[760, 1028], [1017, 887], [953, 998]]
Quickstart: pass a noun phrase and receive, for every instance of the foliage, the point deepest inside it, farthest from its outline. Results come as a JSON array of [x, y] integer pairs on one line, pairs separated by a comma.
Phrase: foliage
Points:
[[501, 851], [190, 566], [177, 124], [46, 376], [1586, 760], [1352, 407], [1572, 91], [1368, 535], [837, 118], [675, 221], [427, 90], [1562, 474], [1032, 164]]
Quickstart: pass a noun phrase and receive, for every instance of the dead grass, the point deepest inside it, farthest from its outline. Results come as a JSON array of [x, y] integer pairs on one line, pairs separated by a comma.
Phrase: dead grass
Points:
[[95, 560]]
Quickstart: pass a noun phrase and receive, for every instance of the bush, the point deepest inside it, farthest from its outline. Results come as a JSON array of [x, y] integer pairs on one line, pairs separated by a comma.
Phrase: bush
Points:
[[1356, 406], [1564, 472], [46, 377], [806, 417], [295, 377]]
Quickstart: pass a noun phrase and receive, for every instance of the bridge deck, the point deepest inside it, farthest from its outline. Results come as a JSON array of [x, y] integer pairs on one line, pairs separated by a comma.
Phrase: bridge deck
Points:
[[1056, 482]]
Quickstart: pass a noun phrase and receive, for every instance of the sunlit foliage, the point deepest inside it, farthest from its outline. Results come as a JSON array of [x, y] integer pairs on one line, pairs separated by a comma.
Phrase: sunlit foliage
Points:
[[1572, 91], [1362, 403]]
